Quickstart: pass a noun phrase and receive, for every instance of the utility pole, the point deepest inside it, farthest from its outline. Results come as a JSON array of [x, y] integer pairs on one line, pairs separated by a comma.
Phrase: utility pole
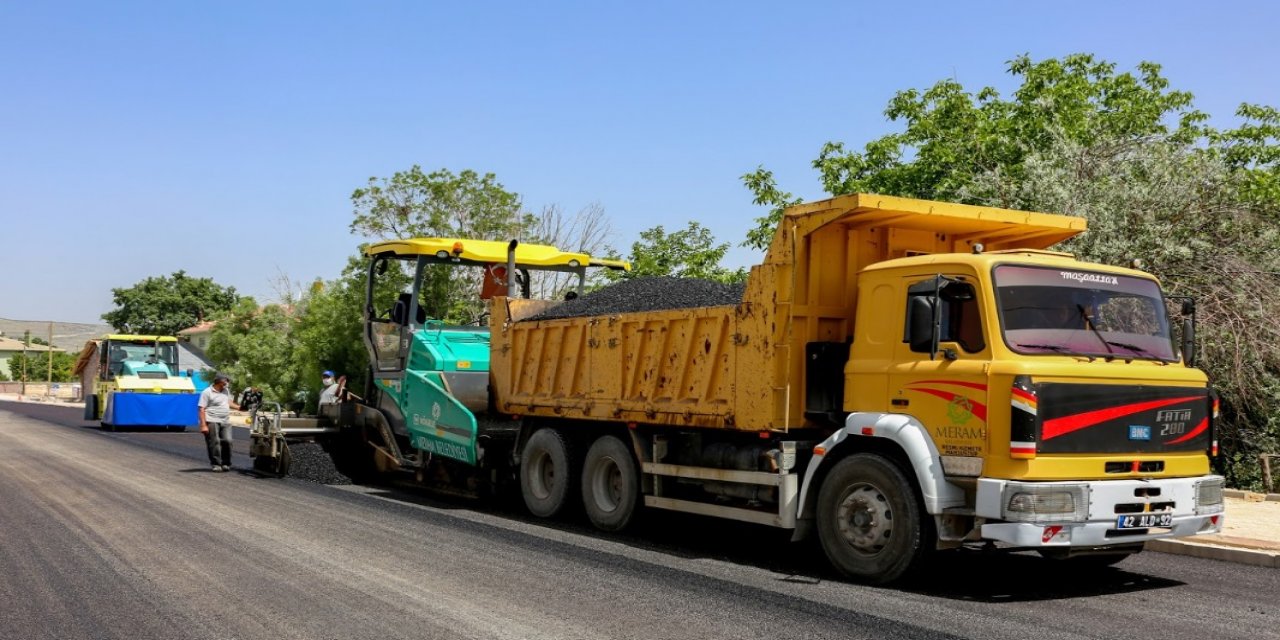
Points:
[[26, 341], [48, 390]]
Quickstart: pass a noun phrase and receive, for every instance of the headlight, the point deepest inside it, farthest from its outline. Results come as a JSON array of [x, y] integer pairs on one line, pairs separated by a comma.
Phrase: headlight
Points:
[[1209, 495], [1040, 503]]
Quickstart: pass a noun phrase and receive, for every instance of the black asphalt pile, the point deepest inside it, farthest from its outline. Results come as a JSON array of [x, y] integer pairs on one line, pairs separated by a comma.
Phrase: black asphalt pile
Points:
[[310, 463], [647, 294]]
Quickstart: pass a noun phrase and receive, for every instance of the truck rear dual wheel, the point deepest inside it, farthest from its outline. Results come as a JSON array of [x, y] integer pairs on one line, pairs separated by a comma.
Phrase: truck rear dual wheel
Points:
[[870, 521], [546, 473], [610, 484]]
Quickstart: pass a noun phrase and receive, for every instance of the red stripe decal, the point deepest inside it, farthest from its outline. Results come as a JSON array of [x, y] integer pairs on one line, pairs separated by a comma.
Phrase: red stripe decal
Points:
[[1204, 424], [1067, 424], [979, 409], [972, 385], [1025, 395], [1022, 449]]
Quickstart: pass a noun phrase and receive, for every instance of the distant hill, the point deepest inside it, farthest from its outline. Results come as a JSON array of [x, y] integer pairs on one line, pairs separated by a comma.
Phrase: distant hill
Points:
[[68, 336]]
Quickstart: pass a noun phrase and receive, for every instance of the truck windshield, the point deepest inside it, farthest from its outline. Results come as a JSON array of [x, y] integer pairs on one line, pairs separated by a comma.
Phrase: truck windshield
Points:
[[1046, 311]]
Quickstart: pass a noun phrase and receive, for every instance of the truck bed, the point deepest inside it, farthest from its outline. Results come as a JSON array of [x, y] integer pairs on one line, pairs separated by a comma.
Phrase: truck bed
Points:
[[740, 366]]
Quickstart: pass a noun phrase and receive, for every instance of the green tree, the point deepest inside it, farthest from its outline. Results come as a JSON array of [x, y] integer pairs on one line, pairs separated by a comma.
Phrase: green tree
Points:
[[1136, 159], [37, 366], [255, 347], [167, 304], [438, 204], [441, 204], [766, 193], [330, 328], [691, 252]]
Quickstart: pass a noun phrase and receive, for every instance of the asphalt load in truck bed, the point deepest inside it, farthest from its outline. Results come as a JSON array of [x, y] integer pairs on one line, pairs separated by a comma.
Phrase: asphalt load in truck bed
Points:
[[647, 294]]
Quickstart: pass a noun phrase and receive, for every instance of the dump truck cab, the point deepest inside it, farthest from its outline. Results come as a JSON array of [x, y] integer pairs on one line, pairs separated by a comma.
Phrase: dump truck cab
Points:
[[1052, 392]]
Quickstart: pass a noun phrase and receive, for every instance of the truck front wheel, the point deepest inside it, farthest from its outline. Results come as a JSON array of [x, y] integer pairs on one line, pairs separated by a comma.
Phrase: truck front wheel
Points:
[[869, 520], [610, 484], [546, 472]]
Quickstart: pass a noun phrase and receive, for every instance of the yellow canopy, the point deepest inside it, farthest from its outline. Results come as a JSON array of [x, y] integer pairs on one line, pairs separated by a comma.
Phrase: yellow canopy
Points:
[[491, 251]]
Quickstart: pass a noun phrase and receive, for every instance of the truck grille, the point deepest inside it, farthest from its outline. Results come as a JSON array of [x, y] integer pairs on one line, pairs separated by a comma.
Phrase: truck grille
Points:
[[1147, 466]]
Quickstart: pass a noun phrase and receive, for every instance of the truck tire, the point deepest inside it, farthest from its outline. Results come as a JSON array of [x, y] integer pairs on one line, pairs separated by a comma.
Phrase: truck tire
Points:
[[610, 484], [546, 473], [871, 524]]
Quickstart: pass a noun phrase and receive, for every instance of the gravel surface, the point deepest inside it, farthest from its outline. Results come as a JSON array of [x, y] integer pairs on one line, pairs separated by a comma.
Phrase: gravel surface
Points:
[[311, 463], [647, 294]]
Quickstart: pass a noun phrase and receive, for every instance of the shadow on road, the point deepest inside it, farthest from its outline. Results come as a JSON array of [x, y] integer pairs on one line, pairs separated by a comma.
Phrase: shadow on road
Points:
[[984, 576], [1024, 577]]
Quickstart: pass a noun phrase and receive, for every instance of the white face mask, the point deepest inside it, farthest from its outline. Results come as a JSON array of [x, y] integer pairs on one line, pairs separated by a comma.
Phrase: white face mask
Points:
[[327, 381]]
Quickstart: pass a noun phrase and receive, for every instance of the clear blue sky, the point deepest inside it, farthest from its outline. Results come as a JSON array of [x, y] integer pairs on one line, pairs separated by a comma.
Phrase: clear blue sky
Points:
[[225, 138]]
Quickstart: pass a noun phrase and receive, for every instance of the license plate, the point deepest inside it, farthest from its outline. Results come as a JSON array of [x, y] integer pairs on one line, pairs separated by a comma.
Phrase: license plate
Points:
[[1144, 521]]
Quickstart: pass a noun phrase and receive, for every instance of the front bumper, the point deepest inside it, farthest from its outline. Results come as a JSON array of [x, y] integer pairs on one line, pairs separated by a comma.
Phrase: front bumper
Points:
[[1107, 501]]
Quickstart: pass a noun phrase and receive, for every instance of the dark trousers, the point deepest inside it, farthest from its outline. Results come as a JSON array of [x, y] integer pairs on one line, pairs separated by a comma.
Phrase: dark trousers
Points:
[[218, 440]]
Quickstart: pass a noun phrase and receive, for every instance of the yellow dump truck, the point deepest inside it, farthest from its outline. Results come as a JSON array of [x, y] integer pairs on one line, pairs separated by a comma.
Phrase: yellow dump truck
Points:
[[133, 381], [901, 375]]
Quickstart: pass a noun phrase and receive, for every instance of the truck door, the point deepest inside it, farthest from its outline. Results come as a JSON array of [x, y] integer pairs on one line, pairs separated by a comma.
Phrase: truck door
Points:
[[948, 393]]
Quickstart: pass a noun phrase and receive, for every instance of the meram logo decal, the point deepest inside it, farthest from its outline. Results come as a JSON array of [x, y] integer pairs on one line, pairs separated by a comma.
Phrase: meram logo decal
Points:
[[960, 408]]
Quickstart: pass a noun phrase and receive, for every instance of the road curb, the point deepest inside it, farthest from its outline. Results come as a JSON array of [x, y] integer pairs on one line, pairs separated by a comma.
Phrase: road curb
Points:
[[1251, 495], [1254, 557]]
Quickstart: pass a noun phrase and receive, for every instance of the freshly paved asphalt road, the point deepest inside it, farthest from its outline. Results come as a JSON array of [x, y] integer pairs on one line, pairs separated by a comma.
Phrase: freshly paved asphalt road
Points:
[[128, 535]]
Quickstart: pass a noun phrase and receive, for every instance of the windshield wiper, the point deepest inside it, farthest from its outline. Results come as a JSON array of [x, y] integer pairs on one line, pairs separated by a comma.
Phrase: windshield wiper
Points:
[[1050, 347], [1136, 349], [1089, 323]]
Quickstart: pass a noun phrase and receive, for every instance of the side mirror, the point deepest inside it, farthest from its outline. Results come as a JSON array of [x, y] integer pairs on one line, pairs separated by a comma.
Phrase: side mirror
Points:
[[1189, 342], [920, 326]]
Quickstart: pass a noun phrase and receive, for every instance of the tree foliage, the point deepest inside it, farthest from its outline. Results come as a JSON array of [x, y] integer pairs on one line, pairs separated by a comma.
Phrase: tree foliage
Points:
[[1134, 157], [37, 366], [688, 253], [330, 326], [255, 346], [165, 305], [441, 204]]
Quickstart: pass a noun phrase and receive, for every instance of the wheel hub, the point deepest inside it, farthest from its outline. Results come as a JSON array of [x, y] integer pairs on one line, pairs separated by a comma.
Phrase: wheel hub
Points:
[[607, 485], [864, 519], [542, 476]]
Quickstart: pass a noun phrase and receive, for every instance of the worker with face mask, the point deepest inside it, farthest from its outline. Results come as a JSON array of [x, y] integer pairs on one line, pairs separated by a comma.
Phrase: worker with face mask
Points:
[[328, 388]]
